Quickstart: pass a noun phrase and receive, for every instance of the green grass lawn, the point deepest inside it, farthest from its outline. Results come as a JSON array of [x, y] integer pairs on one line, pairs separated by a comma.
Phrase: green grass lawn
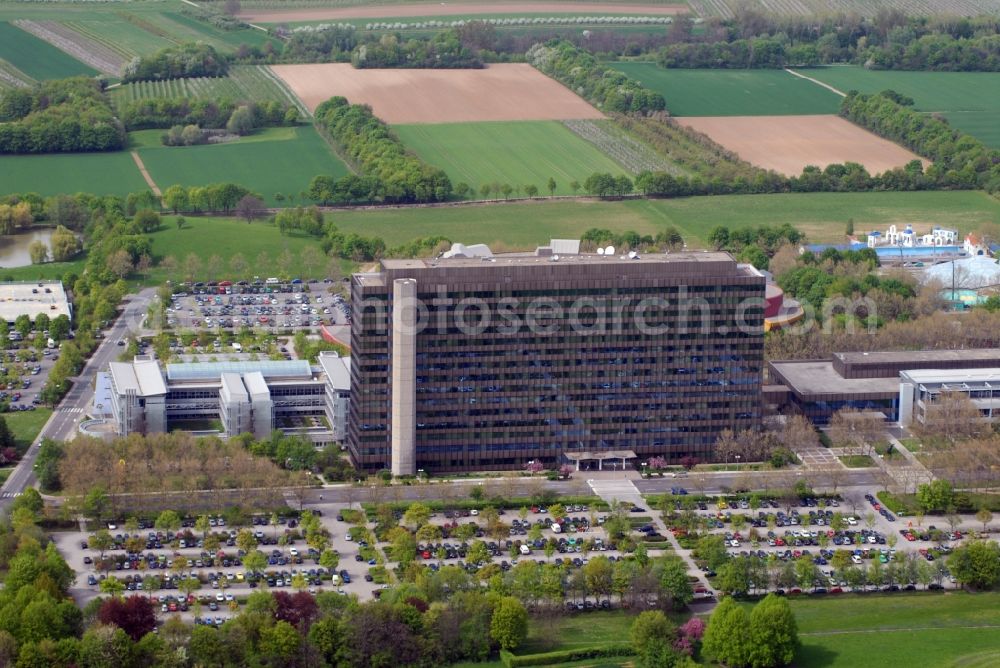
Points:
[[821, 215], [857, 461], [25, 425], [36, 57], [733, 92], [274, 160], [969, 100], [260, 243], [55, 173], [516, 153], [926, 630]]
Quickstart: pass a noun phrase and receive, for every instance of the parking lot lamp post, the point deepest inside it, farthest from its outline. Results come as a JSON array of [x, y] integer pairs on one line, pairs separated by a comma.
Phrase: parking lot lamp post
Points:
[[737, 461]]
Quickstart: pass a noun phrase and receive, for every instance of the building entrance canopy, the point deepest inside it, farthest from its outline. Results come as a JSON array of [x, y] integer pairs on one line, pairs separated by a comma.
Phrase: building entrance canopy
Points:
[[600, 456]]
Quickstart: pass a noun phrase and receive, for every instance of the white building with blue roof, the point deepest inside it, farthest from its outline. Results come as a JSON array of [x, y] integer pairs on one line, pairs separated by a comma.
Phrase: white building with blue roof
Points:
[[229, 398]]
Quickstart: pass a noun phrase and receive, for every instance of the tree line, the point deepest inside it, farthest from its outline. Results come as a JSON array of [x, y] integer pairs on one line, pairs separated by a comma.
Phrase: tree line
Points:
[[396, 175], [442, 51], [59, 116], [208, 114], [606, 88], [889, 40], [960, 160], [177, 62]]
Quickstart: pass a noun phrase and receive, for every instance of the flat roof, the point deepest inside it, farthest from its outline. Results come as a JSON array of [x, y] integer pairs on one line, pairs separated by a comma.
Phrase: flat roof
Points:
[[818, 377], [268, 368], [516, 259], [953, 376], [256, 386], [233, 384], [904, 356], [142, 376], [337, 369], [17, 298]]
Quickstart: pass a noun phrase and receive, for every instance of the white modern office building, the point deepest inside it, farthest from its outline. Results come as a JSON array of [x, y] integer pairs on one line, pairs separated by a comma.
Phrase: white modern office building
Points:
[[920, 388], [232, 398]]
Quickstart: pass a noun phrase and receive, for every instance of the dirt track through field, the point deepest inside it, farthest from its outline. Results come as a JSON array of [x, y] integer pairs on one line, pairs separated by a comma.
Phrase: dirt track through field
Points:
[[145, 174], [501, 92], [458, 9], [787, 144]]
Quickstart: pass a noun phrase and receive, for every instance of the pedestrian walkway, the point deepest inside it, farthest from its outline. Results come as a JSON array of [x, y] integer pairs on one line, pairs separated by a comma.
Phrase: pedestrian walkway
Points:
[[816, 457], [622, 489]]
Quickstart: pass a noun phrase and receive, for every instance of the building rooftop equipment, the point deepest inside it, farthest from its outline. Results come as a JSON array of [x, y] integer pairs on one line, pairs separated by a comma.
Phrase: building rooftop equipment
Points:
[[958, 379]]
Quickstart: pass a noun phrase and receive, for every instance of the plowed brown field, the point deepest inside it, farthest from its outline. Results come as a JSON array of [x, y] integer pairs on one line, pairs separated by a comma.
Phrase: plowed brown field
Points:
[[501, 92], [787, 144], [457, 9]]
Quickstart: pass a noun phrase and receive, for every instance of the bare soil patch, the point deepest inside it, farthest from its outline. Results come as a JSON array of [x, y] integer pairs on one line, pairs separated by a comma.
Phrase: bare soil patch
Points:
[[83, 49], [787, 144], [458, 9], [501, 92]]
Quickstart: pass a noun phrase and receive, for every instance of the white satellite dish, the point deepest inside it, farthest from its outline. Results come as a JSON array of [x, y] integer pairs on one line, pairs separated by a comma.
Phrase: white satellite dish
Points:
[[610, 250], [600, 251]]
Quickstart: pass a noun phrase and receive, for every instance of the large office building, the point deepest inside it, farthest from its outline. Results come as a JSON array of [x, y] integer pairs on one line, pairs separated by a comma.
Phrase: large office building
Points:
[[475, 361], [232, 398]]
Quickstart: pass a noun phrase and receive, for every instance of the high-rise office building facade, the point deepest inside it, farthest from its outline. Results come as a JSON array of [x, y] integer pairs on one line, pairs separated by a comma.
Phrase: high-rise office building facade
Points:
[[482, 363]]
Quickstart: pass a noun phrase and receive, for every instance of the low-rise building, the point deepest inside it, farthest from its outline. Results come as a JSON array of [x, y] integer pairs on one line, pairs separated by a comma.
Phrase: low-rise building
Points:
[[33, 298], [866, 381], [230, 398], [919, 389]]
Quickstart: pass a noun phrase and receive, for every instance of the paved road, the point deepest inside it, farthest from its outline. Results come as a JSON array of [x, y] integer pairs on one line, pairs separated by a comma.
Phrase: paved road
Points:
[[65, 420]]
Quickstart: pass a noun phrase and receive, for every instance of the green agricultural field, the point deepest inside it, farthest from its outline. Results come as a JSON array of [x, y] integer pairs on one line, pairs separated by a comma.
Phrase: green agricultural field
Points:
[[822, 216], [274, 160], [119, 35], [55, 173], [37, 58], [733, 92], [969, 100], [515, 153]]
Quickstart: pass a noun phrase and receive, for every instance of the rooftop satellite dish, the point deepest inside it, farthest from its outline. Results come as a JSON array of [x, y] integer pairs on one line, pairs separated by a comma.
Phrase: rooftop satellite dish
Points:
[[600, 251], [610, 250]]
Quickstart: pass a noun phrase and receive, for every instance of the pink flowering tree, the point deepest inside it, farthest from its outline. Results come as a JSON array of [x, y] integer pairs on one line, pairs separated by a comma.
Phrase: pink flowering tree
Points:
[[534, 466], [657, 463]]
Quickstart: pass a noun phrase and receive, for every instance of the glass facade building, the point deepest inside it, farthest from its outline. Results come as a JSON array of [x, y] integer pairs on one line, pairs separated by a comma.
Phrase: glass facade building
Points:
[[465, 364]]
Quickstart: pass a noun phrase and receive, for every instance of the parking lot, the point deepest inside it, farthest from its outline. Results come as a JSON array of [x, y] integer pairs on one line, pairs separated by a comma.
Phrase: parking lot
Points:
[[245, 304], [816, 530], [23, 372], [222, 577]]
